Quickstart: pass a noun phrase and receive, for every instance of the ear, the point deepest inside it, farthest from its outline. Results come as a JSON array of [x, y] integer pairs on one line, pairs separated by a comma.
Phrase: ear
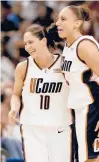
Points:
[[44, 40], [78, 24]]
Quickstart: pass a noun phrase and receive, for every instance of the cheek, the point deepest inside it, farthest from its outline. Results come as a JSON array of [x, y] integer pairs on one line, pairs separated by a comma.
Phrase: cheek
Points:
[[36, 45], [66, 28], [25, 48], [69, 26], [66, 25], [33, 45]]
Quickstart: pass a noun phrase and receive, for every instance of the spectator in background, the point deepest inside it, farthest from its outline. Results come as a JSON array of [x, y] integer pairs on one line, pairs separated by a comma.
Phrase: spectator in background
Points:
[[88, 28], [12, 146], [54, 15], [76, 3], [29, 10], [94, 6], [6, 25], [15, 44], [44, 15], [5, 107], [10, 143], [57, 5], [7, 66], [15, 14]]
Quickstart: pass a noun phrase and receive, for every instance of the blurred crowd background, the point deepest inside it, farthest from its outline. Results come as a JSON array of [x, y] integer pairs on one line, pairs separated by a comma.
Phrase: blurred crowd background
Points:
[[16, 16]]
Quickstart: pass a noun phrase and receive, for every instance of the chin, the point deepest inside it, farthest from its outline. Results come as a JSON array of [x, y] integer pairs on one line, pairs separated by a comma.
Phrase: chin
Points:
[[33, 56], [61, 35]]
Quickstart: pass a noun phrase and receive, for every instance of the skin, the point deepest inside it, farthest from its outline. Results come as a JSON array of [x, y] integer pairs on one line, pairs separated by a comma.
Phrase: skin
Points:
[[44, 59], [69, 27]]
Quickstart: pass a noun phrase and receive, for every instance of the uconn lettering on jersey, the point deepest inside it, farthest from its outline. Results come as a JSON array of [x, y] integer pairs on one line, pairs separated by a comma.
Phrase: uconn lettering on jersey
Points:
[[37, 85], [66, 65]]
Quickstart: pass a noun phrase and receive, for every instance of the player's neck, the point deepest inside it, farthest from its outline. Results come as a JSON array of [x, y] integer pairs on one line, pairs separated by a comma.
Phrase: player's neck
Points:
[[72, 38], [45, 60]]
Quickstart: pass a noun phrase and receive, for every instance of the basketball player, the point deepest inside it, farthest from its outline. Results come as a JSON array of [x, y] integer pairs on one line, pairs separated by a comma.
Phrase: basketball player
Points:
[[80, 63], [44, 117]]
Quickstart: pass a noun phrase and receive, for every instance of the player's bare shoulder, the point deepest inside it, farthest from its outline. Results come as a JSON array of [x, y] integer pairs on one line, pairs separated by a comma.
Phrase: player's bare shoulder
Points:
[[21, 69]]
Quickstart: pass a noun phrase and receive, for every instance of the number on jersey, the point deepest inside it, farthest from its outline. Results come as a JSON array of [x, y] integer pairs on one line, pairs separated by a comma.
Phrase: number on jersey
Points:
[[45, 102]]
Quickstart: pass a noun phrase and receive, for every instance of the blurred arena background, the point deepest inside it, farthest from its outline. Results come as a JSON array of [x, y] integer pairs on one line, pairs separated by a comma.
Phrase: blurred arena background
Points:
[[16, 16]]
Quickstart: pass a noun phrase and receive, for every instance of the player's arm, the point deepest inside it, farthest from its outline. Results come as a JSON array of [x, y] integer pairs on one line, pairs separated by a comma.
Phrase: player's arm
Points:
[[18, 84], [89, 53]]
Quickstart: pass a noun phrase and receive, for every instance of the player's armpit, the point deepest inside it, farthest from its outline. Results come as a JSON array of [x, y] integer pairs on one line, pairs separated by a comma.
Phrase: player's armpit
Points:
[[89, 53]]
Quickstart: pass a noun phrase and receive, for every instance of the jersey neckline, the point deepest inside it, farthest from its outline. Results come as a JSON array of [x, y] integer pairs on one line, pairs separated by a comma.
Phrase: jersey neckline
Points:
[[58, 55], [74, 41]]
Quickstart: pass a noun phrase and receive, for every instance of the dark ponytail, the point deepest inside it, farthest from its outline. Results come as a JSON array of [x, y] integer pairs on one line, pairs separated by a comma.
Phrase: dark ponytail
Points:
[[52, 36]]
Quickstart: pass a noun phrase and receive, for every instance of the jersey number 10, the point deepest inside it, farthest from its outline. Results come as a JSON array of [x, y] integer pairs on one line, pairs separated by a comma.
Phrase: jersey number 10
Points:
[[45, 102]]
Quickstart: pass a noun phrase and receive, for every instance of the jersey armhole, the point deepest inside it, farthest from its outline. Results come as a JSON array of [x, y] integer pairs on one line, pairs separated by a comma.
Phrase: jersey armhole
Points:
[[26, 70], [78, 45]]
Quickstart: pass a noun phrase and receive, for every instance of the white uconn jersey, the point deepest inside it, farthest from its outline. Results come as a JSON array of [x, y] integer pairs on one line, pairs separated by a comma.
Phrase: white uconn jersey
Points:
[[44, 96], [75, 72]]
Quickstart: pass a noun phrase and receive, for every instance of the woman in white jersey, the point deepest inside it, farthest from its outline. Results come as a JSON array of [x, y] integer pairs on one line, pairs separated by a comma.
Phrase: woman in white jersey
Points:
[[44, 118], [80, 63]]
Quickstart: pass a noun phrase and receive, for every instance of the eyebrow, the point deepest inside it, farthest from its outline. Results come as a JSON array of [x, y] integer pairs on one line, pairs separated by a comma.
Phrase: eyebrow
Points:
[[27, 41], [64, 16], [61, 16]]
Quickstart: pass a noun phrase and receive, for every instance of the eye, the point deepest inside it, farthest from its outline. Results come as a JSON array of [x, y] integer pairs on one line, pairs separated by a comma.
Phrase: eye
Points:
[[30, 42], [62, 18]]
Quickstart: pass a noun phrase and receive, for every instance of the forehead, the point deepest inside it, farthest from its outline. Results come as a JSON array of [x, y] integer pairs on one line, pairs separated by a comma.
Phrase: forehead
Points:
[[66, 12], [29, 35]]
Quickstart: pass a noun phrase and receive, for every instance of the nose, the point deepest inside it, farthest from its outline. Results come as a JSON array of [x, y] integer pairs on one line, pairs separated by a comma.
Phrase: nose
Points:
[[27, 47], [57, 23]]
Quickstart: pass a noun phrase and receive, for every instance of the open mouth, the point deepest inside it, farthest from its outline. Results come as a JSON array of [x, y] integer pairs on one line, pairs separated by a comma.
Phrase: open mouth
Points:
[[60, 30]]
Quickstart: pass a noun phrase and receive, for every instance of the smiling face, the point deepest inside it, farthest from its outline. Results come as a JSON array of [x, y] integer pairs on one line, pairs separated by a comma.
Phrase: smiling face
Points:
[[67, 22], [33, 45]]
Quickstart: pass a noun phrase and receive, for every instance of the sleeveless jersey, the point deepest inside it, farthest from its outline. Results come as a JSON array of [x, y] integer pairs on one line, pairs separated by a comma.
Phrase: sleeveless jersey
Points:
[[44, 96], [80, 77]]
